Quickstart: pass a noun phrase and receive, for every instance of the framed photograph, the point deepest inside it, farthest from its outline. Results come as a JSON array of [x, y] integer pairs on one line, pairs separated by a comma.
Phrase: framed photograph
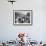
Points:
[[22, 17]]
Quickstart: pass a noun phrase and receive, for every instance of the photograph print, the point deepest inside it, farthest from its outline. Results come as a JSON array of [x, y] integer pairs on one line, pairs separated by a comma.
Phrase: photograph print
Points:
[[22, 17]]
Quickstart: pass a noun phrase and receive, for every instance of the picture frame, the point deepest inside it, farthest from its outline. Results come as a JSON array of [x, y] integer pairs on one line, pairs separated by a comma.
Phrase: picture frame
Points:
[[22, 17]]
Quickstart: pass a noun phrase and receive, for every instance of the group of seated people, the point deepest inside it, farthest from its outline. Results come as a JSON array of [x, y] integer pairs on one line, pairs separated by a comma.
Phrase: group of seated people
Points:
[[21, 18]]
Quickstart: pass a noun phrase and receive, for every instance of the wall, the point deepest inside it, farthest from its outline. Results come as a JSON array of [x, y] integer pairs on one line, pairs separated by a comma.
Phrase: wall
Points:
[[37, 31]]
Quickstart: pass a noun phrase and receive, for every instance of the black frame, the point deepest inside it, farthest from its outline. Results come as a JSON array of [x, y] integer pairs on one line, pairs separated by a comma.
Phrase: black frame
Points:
[[23, 24]]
